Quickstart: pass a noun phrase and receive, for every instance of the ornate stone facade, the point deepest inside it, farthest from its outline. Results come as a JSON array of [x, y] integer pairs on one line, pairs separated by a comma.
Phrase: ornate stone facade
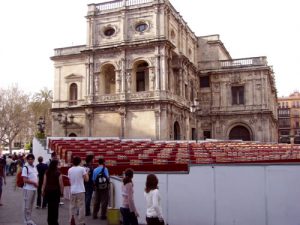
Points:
[[143, 70], [289, 118]]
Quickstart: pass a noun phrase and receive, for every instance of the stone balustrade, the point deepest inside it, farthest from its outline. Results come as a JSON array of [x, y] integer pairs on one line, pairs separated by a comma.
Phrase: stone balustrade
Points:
[[110, 5], [121, 97], [243, 62], [69, 50]]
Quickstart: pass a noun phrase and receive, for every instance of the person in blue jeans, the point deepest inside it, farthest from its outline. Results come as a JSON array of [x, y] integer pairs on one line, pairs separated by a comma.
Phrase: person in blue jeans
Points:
[[101, 192], [128, 209]]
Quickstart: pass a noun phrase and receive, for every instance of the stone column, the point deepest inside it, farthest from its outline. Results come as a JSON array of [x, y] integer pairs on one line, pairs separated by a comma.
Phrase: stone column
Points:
[[164, 70], [123, 75], [57, 97], [157, 124], [157, 69], [89, 121], [118, 81], [151, 79], [122, 112], [128, 81], [180, 82]]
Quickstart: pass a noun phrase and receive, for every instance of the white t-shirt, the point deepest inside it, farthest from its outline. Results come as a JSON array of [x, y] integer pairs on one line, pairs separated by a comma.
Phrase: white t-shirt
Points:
[[153, 200], [75, 174], [31, 175]]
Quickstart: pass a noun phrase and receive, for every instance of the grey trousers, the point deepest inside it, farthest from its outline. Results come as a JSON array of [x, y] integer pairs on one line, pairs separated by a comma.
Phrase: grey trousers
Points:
[[77, 207], [29, 196]]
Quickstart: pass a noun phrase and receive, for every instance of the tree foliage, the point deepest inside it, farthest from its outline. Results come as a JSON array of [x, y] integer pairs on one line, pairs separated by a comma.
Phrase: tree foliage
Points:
[[14, 114], [20, 113], [40, 106]]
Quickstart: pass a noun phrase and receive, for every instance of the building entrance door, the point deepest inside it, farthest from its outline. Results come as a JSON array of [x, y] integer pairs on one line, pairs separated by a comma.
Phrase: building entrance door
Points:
[[240, 133], [176, 131]]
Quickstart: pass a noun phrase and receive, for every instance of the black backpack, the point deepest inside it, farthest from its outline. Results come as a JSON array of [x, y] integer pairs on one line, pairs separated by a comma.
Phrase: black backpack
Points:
[[102, 180]]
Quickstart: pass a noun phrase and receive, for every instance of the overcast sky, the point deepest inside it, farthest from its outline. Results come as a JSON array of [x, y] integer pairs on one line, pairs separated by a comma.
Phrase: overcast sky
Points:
[[31, 29]]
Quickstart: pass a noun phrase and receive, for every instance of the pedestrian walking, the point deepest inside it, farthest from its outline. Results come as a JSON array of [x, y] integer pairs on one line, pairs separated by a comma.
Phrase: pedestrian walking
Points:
[[101, 181], [2, 177], [89, 185], [128, 209], [77, 175], [41, 168], [154, 210], [30, 177], [52, 189], [9, 162]]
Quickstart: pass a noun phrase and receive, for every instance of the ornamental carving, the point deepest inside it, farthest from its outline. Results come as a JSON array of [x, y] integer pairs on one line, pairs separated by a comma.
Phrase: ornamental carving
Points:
[[252, 120], [206, 125], [142, 95], [236, 78]]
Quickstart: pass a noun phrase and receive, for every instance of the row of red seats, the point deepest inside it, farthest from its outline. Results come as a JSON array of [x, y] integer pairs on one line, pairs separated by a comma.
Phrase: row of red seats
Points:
[[144, 152]]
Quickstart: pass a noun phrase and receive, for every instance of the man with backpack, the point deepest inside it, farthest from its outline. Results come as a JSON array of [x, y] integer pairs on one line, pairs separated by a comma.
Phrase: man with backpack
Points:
[[101, 181], [30, 178]]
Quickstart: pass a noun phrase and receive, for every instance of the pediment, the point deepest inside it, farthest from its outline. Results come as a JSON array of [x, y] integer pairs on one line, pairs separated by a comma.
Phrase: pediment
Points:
[[74, 76]]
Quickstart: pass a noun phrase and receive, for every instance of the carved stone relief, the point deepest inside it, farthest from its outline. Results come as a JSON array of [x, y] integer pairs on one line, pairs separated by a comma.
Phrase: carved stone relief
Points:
[[235, 78]]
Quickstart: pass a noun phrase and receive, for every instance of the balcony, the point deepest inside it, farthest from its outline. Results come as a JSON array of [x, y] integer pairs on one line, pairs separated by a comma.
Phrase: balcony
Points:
[[235, 63], [66, 104], [112, 5], [69, 50], [284, 126], [141, 96]]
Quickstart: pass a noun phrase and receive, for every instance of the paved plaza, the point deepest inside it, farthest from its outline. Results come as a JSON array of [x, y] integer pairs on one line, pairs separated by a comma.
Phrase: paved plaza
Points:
[[11, 211]]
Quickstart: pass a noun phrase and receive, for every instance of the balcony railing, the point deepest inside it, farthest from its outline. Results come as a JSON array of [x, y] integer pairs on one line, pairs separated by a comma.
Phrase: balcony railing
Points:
[[235, 63], [65, 104], [124, 97], [69, 50], [116, 4]]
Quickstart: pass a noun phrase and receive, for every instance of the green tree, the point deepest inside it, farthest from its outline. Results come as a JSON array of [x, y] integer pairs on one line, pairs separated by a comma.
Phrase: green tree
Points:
[[40, 107]]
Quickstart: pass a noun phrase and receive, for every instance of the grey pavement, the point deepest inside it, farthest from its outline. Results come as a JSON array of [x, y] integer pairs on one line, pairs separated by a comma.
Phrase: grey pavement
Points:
[[11, 211]]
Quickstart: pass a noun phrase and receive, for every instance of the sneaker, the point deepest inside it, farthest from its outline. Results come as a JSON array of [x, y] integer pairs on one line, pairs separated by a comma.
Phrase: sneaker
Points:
[[61, 203], [37, 207]]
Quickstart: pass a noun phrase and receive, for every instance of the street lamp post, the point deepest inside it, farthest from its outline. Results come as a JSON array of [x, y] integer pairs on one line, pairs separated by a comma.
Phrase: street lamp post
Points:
[[41, 125], [65, 121]]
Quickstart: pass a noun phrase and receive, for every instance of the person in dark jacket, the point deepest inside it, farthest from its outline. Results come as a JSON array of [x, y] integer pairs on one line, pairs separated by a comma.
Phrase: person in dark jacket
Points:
[[89, 185], [41, 168], [52, 190]]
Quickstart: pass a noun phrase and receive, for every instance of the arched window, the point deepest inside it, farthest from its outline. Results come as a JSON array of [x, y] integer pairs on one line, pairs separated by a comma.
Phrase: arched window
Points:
[[142, 77], [73, 94], [72, 135], [240, 133], [108, 79]]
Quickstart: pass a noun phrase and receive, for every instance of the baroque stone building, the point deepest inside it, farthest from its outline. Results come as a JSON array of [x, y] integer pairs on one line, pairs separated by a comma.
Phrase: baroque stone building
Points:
[[143, 73], [289, 118]]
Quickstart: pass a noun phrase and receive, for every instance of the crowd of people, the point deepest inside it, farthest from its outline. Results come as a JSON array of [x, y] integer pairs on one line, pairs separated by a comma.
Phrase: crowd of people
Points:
[[44, 182]]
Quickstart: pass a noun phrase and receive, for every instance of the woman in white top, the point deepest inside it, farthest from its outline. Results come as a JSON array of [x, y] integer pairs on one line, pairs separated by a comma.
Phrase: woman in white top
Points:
[[128, 209], [154, 210]]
